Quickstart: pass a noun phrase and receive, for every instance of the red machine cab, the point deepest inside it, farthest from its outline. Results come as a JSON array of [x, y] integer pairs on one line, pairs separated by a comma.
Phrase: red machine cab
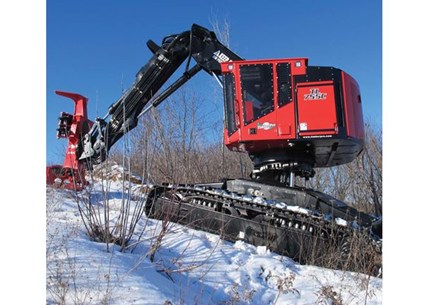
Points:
[[285, 112]]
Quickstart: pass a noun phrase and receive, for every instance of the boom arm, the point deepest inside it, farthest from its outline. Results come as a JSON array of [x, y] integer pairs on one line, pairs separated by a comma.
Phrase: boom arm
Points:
[[199, 43]]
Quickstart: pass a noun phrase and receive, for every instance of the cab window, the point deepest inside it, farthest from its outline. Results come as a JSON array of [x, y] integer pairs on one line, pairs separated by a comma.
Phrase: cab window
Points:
[[257, 91]]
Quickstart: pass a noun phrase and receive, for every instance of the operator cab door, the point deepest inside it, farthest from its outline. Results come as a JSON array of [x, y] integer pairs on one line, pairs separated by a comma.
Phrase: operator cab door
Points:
[[316, 104]]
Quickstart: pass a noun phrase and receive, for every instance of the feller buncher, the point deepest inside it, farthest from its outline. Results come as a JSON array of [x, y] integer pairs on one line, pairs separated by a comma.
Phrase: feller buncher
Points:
[[288, 116]]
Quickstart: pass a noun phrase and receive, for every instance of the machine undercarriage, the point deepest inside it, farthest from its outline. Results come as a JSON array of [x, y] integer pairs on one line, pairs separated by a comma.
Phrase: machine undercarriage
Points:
[[306, 225]]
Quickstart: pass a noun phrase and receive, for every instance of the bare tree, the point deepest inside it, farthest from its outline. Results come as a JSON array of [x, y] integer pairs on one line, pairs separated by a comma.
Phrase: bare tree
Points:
[[173, 144], [360, 182]]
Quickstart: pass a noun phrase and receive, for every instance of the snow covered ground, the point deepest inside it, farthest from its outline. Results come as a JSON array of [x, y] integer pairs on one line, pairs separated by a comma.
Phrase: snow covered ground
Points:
[[190, 267]]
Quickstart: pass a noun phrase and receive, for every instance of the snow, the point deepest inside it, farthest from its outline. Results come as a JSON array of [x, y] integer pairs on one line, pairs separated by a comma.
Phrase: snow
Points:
[[191, 267], [341, 222], [298, 209]]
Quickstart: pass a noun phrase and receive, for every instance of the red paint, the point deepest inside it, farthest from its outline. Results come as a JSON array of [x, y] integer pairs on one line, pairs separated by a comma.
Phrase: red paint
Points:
[[71, 174], [316, 109], [353, 108]]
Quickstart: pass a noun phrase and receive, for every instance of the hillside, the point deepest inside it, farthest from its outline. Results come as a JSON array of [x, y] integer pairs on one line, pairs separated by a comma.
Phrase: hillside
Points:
[[190, 267]]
